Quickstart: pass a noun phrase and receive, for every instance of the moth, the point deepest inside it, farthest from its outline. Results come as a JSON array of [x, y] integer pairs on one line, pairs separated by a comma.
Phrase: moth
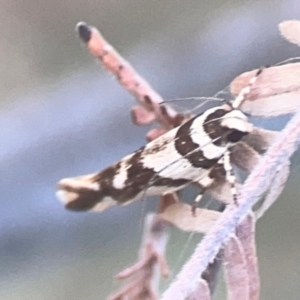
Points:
[[197, 151]]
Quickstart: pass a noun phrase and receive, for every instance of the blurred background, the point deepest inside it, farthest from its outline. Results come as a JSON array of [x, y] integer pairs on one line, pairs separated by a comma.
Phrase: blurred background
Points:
[[61, 115]]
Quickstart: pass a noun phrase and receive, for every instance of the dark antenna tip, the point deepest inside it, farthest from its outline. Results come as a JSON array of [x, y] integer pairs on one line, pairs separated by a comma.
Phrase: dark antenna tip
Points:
[[84, 31]]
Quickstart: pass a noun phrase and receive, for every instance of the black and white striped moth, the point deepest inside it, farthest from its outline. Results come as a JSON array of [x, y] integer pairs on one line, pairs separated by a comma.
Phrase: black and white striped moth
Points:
[[195, 152]]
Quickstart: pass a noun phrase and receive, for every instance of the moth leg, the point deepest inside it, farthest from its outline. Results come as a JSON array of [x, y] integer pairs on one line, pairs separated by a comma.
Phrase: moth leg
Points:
[[229, 174], [216, 174], [197, 201]]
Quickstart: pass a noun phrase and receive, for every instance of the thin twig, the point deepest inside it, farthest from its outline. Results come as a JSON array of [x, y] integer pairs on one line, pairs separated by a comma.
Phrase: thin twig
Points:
[[143, 276], [130, 80]]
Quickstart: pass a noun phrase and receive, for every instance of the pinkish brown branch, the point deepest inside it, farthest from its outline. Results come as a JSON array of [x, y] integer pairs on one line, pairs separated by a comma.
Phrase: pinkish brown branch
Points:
[[130, 80], [142, 276]]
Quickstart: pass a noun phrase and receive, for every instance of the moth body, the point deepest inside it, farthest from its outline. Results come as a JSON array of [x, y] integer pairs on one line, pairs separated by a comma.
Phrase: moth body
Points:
[[189, 153]]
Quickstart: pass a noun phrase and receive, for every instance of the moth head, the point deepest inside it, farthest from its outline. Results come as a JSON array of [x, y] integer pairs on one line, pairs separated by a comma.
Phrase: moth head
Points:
[[236, 125]]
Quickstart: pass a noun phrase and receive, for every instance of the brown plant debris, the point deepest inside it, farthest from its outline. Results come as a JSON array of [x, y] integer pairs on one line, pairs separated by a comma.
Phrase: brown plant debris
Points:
[[142, 277]]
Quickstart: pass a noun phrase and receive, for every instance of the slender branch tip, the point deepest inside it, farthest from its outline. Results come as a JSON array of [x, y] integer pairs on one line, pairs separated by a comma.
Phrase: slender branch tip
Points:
[[84, 31]]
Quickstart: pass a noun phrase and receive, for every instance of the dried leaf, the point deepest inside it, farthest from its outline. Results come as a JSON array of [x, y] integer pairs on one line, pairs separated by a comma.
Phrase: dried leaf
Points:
[[221, 191], [290, 30], [246, 235], [244, 156], [144, 274], [155, 133], [202, 292], [235, 270], [276, 91], [180, 215], [142, 116], [260, 139]]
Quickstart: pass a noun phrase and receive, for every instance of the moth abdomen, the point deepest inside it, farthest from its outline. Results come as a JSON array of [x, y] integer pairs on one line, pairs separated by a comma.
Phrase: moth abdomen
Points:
[[80, 193], [118, 184]]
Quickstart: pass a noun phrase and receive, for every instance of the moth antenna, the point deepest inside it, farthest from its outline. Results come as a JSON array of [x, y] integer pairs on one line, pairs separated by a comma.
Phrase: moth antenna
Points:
[[192, 98], [224, 91], [241, 97], [207, 99], [190, 111]]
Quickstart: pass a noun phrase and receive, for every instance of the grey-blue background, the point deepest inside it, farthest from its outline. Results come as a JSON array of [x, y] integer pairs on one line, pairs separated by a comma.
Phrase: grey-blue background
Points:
[[61, 115]]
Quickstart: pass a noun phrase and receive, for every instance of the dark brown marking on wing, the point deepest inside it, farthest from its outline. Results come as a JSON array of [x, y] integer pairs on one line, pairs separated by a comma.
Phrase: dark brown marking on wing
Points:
[[86, 200], [221, 135], [190, 150], [138, 180], [217, 172], [212, 126], [236, 135], [158, 146]]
